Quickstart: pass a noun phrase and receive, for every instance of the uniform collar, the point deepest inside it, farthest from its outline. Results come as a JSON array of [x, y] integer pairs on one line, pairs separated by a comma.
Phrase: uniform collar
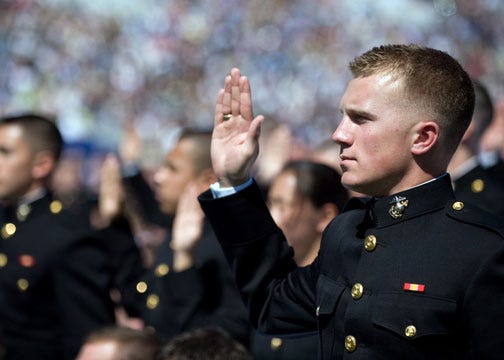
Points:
[[411, 203], [28, 206]]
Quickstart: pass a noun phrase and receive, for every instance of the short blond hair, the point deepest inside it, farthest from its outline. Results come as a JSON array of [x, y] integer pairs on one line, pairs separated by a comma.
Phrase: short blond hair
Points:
[[432, 81]]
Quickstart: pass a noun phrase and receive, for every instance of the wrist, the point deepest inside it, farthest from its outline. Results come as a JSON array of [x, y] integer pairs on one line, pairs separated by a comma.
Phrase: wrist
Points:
[[182, 260]]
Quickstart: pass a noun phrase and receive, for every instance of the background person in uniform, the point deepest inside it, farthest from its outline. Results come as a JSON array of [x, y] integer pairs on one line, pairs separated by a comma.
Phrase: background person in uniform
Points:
[[409, 271], [492, 143], [190, 284], [472, 183], [54, 279], [208, 343], [120, 343], [303, 198]]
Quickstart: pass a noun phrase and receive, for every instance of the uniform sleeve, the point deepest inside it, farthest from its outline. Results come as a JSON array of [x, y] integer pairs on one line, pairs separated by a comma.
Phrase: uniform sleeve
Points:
[[82, 284], [125, 263], [484, 310], [204, 294], [279, 297]]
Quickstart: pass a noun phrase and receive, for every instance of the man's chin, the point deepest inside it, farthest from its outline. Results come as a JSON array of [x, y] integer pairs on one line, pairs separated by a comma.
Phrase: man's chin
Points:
[[167, 209]]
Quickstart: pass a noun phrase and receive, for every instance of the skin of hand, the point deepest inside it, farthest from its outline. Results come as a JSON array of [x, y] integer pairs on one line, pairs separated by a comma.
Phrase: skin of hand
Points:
[[493, 137], [277, 151], [131, 145], [235, 144], [111, 192], [187, 228]]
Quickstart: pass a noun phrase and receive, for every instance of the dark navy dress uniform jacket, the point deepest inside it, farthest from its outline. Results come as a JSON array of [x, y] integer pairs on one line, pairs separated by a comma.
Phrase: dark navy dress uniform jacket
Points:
[[54, 282], [426, 283]]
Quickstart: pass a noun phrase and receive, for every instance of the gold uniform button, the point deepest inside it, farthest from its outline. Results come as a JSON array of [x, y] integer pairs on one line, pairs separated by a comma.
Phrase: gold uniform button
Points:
[[162, 270], [8, 230], [23, 284], [56, 206], [410, 331], [3, 260], [477, 186], [152, 301], [357, 291], [276, 343], [370, 243], [350, 343], [141, 287], [458, 205]]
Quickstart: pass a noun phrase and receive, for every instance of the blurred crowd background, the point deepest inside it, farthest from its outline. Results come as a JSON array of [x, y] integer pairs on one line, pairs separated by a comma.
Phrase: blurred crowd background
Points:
[[158, 64]]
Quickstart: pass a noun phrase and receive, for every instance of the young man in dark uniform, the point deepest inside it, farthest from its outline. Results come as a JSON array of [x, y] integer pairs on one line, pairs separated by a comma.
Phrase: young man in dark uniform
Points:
[[190, 284], [410, 272], [54, 279]]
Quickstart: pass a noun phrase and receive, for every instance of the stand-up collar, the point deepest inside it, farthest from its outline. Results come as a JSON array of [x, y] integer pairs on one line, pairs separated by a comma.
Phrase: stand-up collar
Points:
[[411, 203]]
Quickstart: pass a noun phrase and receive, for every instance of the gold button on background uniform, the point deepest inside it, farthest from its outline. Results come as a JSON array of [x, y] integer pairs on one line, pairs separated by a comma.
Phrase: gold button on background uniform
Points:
[[276, 343], [56, 206], [162, 270], [458, 205], [357, 291], [152, 301], [8, 230], [370, 243], [3, 260], [23, 284], [350, 343], [477, 186], [141, 287], [410, 331]]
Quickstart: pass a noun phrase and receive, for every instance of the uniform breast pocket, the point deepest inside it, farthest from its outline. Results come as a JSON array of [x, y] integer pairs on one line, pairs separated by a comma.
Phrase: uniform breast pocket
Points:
[[329, 292], [329, 296], [415, 323]]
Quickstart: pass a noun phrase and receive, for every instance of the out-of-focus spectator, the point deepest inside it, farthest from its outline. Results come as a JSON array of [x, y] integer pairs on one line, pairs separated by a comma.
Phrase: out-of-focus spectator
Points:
[[492, 144], [208, 343], [304, 197], [54, 277], [471, 182], [119, 343], [190, 283], [278, 145]]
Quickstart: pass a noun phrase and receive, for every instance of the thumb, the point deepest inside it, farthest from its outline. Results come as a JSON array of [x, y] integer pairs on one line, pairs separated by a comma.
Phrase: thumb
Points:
[[255, 128]]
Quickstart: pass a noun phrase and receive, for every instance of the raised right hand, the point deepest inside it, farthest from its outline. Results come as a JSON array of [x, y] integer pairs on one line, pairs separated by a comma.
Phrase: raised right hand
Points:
[[235, 138]]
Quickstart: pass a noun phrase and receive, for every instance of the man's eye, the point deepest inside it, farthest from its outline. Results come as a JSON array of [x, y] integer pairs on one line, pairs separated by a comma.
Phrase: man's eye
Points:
[[358, 119]]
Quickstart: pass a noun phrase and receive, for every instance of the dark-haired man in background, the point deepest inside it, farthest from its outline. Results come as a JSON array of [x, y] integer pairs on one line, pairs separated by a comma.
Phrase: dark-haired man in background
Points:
[[54, 279]]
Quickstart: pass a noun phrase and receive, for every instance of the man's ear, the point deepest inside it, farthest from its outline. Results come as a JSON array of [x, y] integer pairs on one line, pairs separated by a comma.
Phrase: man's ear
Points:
[[426, 135], [43, 164]]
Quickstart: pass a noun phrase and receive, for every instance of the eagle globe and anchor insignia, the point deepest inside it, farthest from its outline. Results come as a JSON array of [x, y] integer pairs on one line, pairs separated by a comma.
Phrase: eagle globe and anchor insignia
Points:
[[399, 204]]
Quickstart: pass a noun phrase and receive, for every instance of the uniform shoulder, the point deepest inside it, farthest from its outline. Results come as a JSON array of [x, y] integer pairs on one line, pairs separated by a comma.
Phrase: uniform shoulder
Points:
[[472, 214]]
